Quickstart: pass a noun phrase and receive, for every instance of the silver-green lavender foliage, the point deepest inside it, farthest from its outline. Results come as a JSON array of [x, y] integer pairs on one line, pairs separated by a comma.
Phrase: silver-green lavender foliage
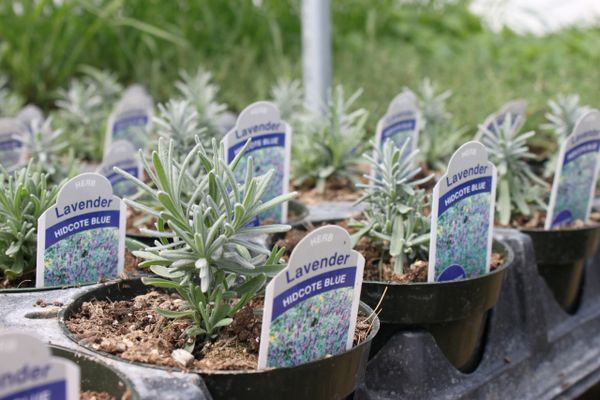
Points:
[[564, 113], [84, 107], [440, 135], [177, 120], [288, 95], [395, 205], [24, 196], [206, 250], [328, 145], [10, 102], [46, 147], [518, 190], [200, 91]]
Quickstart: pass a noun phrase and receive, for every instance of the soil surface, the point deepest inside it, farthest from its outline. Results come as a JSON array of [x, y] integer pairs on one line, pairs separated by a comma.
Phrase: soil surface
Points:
[[133, 330], [137, 219], [335, 190], [416, 272], [28, 280]]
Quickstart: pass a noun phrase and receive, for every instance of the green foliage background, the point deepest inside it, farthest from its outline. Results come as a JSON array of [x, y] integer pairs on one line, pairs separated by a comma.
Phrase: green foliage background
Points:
[[381, 45]]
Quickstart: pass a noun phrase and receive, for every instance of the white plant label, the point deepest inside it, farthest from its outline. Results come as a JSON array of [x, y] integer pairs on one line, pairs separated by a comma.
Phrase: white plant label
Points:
[[121, 154], [28, 371], [400, 123], [312, 305], [131, 119], [462, 216], [514, 108], [29, 114], [12, 149], [81, 239], [576, 173], [270, 149]]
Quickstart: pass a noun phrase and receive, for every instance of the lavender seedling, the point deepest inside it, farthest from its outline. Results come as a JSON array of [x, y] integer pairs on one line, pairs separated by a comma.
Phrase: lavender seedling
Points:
[[201, 93], [565, 110], [45, 146], [24, 196], [10, 103], [287, 94], [519, 190], [327, 146], [395, 204], [205, 248], [84, 108], [440, 135]]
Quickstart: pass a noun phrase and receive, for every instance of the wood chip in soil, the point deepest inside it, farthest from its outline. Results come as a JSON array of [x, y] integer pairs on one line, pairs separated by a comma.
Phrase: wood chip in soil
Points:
[[133, 330]]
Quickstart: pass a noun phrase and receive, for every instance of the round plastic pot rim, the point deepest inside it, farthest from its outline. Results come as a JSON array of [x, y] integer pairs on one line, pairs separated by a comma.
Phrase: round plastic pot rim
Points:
[[56, 287], [362, 307], [508, 260], [293, 204], [587, 227], [90, 358]]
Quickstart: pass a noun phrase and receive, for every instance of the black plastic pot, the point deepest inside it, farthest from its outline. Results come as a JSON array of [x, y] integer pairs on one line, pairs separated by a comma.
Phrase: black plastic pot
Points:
[[561, 256], [453, 312], [97, 376], [333, 377]]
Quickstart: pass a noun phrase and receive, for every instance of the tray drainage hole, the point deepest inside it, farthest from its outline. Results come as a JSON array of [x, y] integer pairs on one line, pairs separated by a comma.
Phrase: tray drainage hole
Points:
[[43, 314]]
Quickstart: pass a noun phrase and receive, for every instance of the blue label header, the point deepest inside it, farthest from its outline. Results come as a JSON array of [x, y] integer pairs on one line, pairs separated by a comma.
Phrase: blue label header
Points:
[[80, 223], [400, 126], [316, 285], [258, 142], [590, 146], [469, 188], [49, 391], [136, 120]]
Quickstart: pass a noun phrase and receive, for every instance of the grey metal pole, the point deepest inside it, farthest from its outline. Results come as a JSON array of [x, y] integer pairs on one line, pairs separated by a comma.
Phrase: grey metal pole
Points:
[[316, 51]]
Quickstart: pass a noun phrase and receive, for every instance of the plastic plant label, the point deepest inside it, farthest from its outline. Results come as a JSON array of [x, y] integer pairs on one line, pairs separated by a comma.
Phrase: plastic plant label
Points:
[[12, 149], [270, 149], [121, 154], [514, 108], [400, 123], [28, 114], [28, 371], [576, 173], [131, 119], [81, 239], [311, 306], [462, 216]]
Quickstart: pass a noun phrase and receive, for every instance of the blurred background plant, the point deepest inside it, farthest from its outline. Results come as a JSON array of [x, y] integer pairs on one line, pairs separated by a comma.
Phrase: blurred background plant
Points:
[[380, 45]]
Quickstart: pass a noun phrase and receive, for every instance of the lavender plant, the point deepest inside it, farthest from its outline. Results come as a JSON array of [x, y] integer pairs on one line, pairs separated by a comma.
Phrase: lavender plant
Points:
[[519, 190], [394, 218], [10, 102], [177, 120], [46, 146], [24, 196], [327, 145], [565, 110], [440, 135], [206, 250], [84, 108], [201, 93], [288, 96]]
